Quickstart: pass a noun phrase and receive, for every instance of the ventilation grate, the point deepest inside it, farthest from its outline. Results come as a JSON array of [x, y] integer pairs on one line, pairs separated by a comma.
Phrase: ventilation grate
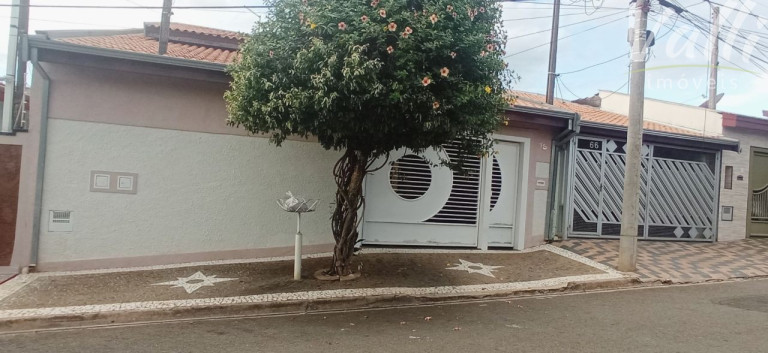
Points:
[[495, 183], [462, 204], [61, 216], [60, 221], [410, 177]]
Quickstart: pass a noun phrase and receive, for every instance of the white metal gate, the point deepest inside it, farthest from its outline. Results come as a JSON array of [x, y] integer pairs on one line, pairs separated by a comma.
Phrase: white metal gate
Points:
[[415, 201], [678, 198]]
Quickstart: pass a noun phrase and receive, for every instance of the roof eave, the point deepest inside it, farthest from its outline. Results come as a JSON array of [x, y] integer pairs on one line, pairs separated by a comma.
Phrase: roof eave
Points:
[[41, 42], [725, 144], [744, 122], [545, 112]]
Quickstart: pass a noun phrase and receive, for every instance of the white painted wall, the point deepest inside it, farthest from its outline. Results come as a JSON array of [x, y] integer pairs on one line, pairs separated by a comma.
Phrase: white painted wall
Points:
[[702, 120], [197, 192]]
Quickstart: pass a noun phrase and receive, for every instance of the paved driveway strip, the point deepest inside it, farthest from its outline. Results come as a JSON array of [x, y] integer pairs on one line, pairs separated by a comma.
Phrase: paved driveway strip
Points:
[[387, 273], [680, 262]]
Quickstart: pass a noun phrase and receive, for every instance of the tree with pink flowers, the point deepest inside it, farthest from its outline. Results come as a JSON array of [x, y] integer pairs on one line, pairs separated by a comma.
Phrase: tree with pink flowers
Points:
[[367, 77]]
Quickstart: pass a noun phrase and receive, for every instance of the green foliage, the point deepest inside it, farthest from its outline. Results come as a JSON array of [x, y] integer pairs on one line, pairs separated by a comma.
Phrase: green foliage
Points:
[[373, 76]]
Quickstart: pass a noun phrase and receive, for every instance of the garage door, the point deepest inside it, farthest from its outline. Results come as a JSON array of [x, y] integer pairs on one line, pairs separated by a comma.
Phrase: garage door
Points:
[[678, 191], [415, 201]]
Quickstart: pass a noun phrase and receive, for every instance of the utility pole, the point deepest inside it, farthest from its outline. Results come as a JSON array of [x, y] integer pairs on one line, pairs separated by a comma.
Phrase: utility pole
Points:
[[551, 75], [714, 60], [165, 27], [631, 199], [6, 125], [19, 99]]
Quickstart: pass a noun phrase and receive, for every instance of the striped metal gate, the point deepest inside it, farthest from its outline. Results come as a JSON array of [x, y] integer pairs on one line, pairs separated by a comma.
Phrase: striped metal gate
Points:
[[416, 201], [678, 199]]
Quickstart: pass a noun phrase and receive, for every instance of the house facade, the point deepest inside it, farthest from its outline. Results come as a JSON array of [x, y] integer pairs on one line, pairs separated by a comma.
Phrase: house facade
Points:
[[743, 179], [128, 161]]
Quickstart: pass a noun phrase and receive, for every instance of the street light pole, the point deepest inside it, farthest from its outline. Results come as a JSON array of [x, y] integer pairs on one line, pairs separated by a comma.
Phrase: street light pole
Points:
[[631, 198]]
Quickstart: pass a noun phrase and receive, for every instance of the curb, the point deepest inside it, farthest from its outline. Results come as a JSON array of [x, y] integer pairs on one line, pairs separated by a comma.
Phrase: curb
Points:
[[65, 321]]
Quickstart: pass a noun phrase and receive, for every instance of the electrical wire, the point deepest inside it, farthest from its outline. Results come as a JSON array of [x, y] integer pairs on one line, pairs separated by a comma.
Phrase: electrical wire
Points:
[[566, 87], [557, 85], [595, 65], [618, 89], [579, 13], [573, 4], [125, 7], [736, 9], [122, 7], [699, 48], [567, 25], [698, 23], [565, 37]]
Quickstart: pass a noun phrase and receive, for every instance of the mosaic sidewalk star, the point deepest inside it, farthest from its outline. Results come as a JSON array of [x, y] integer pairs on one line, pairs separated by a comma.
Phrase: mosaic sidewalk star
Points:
[[472, 267], [194, 282]]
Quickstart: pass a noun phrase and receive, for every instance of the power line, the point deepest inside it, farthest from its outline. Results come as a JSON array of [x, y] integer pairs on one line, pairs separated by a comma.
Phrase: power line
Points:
[[560, 90], [566, 87], [705, 31], [595, 65], [567, 25], [617, 90], [699, 48], [579, 13], [126, 7], [77, 23], [141, 7], [568, 36], [573, 5], [703, 24], [736, 9]]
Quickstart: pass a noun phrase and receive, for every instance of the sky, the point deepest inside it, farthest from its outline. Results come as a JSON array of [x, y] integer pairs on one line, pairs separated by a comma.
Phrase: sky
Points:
[[593, 48]]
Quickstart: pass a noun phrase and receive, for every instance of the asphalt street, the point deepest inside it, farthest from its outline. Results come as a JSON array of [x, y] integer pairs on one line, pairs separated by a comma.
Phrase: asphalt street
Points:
[[724, 317]]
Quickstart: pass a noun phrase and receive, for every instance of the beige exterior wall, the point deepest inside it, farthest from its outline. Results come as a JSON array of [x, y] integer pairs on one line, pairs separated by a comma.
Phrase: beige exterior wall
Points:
[[705, 121], [136, 99], [739, 195], [536, 205]]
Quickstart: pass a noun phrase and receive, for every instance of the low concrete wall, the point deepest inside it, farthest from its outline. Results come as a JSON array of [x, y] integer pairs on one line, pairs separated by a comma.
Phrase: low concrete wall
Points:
[[197, 192]]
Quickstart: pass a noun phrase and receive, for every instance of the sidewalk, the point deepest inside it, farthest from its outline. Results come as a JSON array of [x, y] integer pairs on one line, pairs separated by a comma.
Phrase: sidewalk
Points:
[[224, 287], [680, 262]]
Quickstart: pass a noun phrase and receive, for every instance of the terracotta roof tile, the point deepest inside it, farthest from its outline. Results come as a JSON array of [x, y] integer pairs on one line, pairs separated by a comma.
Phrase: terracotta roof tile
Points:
[[591, 114], [183, 27], [140, 43]]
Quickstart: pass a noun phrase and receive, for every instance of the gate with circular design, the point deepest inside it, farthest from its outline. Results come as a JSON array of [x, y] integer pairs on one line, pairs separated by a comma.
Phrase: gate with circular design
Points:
[[415, 201]]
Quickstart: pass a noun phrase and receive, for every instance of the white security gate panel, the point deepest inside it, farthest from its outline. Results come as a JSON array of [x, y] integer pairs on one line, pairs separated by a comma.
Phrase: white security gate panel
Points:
[[415, 201], [503, 200]]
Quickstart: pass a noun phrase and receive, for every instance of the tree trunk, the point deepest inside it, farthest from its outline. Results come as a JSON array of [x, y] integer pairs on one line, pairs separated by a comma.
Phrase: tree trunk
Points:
[[348, 172]]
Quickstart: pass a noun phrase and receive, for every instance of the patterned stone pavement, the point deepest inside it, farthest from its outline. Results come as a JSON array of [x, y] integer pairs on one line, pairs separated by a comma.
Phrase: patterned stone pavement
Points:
[[682, 262]]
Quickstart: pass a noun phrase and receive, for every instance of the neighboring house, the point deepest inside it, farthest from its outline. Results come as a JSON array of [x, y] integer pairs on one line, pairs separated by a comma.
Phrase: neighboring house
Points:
[[744, 185], [680, 174], [128, 161]]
